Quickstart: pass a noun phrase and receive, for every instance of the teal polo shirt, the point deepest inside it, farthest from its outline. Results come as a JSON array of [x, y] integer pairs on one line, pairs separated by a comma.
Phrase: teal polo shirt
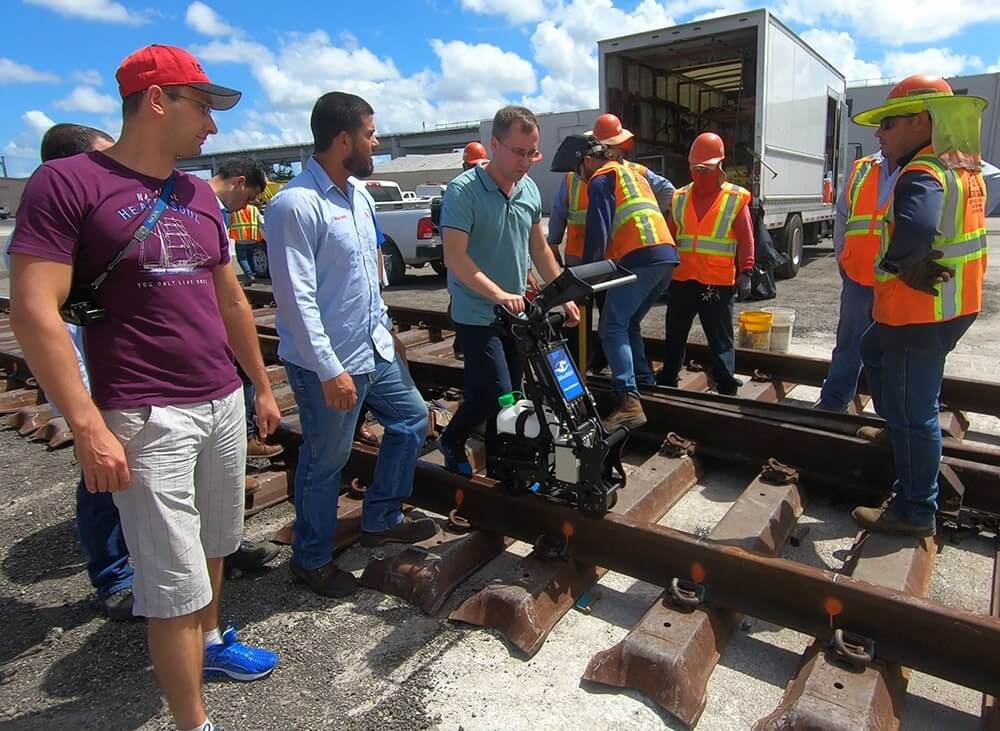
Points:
[[499, 229]]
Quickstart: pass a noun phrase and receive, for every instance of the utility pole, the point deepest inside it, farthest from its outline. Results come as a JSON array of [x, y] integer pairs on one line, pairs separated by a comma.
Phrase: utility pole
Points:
[[3, 165]]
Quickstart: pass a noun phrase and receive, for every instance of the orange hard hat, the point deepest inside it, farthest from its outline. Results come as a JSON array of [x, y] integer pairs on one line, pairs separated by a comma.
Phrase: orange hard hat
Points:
[[474, 154], [920, 84], [609, 131], [707, 149]]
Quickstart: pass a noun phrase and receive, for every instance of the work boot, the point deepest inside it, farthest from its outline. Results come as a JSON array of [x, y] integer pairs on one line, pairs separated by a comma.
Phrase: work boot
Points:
[[408, 530], [118, 606], [628, 413], [257, 447], [882, 520], [327, 580], [367, 435], [880, 435], [251, 555]]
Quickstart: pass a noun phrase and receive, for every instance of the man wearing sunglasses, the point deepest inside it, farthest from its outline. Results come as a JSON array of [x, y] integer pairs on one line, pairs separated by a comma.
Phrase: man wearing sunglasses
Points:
[[857, 236], [491, 224], [928, 282]]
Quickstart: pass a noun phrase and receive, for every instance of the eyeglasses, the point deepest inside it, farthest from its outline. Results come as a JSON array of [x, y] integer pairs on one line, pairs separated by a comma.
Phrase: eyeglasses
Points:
[[203, 107], [529, 155], [889, 122]]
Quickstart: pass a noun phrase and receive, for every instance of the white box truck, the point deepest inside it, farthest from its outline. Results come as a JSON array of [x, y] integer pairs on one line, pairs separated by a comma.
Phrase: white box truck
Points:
[[779, 106]]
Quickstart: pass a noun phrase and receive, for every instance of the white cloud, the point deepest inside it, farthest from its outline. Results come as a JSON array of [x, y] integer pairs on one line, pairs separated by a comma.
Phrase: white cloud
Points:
[[38, 122], [233, 51], [839, 49], [892, 22], [103, 10], [480, 70], [206, 21], [88, 99], [12, 72], [516, 11], [89, 77], [936, 61]]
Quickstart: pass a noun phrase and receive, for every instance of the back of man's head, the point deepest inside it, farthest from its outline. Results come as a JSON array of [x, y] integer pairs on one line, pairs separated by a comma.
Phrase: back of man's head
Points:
[[243, 167], [64, 140]]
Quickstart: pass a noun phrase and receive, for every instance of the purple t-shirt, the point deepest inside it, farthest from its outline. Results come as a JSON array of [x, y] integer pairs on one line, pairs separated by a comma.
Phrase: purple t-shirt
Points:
[[163, 341]]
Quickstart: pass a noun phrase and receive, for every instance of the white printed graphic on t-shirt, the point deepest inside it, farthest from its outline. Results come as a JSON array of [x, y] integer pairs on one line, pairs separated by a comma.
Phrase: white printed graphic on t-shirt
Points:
[[170, 249]]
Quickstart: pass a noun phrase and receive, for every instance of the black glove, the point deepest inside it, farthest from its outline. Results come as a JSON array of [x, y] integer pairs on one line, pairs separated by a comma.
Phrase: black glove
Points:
[[927, 274], [744, 285]]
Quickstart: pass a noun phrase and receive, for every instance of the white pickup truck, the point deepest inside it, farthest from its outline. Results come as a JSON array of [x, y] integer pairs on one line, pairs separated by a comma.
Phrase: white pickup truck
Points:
[[411, 238], [407, 227]]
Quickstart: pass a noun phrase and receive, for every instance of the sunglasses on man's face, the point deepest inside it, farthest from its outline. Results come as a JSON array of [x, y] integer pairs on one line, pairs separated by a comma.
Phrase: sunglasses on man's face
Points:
[[889, 122]]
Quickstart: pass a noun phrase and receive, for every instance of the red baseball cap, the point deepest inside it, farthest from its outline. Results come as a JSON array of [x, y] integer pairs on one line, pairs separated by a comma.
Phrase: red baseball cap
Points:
[[170, 66]]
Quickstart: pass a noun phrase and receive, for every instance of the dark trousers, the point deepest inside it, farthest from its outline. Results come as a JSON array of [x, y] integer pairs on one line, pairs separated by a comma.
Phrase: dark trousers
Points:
[[249, 397], [714, 308], [492, 368], [99, 529]]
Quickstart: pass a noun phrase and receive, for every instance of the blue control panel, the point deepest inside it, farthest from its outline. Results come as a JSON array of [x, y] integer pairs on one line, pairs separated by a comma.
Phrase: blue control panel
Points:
[[566, 374]]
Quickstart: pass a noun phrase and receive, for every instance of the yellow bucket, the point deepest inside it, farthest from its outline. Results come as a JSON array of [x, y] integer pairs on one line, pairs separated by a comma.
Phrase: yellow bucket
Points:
[[755, 329]]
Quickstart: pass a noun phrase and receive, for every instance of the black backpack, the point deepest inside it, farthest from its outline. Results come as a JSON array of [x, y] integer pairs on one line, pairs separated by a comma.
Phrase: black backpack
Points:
[[766, 260]]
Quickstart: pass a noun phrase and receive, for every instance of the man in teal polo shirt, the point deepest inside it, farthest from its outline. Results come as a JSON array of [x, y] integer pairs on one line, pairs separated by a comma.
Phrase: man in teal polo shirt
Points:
[[490, 222]]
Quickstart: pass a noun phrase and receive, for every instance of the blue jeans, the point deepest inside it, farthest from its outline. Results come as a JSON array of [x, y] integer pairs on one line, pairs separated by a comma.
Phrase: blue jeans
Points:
[[620, 326], [905, 385], [841, 382], [100, 532], [492, 368], [249, 402], [243, 254], [326, 446]]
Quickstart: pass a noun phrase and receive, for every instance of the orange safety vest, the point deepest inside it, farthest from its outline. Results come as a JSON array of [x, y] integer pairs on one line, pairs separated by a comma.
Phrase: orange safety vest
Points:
[[961, 240], [576, 209], [708, 246], [244, 225], [863, 230], [638, 220]]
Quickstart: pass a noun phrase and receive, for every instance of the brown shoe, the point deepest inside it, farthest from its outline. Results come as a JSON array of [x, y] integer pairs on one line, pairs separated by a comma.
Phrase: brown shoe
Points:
[[876, 434], [327, 580], [409, 530], [257, 447], [367, 435], [883, 520], [628, 413]]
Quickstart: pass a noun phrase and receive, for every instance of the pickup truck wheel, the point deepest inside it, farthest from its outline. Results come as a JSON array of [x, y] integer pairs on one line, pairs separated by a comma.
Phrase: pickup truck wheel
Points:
[[439, 268], [395, 267], [258, 262], [792, 242]]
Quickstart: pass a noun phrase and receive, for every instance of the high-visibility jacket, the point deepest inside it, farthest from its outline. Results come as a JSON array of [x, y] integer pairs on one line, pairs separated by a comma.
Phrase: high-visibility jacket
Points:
[[961, 240], [638, 220], [863, 232], [708, 247], [245, 225], [576, 209]]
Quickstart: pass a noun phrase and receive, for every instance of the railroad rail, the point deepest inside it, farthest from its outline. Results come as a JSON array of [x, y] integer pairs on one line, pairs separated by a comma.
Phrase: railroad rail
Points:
[[871, 620]]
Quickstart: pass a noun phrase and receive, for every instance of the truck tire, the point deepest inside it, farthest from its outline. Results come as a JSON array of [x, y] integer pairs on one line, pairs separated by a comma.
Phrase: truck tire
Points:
[[439, 268], [792, 241], [395, 267], [258, 262]]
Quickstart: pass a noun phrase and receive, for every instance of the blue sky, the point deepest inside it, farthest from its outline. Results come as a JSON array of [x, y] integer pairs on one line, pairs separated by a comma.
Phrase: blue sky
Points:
[[419, 62]]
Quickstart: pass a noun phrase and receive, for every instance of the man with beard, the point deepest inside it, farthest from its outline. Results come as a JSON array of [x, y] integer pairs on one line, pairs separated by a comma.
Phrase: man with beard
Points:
[[337, 344]]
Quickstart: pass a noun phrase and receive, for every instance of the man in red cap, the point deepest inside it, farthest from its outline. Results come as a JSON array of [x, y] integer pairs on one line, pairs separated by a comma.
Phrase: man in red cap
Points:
[[137, 253]]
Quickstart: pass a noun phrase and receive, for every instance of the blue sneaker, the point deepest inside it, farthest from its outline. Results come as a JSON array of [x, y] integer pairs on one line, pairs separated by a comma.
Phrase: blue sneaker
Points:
[[235, 660], [452, 461]]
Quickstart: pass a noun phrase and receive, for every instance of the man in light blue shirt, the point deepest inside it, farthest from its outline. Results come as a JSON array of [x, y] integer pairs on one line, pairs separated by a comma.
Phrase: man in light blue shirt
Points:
[[337, 344], [856, 300]]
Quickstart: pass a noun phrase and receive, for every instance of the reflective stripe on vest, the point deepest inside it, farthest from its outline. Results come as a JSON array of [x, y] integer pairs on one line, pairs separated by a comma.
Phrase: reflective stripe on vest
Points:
[[245, 225], [708, 247], [961, 241], [863, 228], [638, 220], [576, 214]]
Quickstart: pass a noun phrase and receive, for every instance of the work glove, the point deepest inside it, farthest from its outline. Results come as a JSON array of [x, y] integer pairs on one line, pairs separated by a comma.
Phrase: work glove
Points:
[[927, 274], [744, 285]]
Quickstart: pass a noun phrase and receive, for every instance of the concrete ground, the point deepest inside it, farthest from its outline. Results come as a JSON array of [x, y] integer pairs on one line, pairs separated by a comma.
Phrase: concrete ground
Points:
[[373, 661]]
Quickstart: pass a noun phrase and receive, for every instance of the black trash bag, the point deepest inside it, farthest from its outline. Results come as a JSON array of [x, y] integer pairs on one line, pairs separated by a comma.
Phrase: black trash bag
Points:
[[766, 260]]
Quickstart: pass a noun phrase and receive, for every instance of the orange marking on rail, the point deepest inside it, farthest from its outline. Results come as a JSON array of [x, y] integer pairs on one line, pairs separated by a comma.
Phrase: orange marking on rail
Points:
[[833, 607], [567, 529], [697, 573]]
